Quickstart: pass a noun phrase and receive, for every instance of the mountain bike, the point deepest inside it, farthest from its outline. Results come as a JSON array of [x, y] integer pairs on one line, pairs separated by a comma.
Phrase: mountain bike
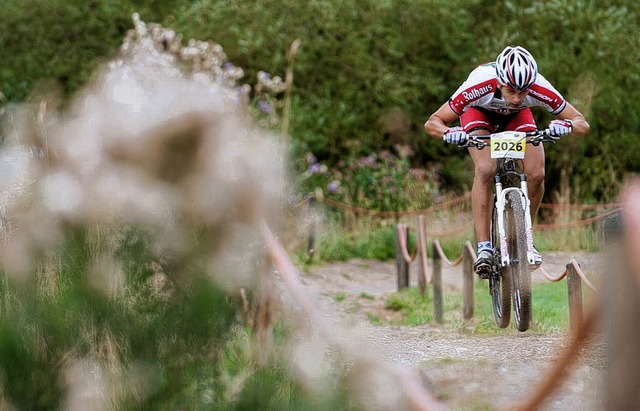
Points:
[[511, 227]]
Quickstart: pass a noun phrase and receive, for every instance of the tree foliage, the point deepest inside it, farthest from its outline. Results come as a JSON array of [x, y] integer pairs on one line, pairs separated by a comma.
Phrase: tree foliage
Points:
[[361, 60]]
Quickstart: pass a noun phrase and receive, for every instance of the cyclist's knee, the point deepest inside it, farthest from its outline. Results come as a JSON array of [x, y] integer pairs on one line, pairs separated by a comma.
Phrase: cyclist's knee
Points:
[[536, 177], [484, 171]]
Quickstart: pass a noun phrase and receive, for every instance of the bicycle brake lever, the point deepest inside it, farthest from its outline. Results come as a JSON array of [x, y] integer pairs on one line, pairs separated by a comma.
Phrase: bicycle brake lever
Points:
[[479, 144]]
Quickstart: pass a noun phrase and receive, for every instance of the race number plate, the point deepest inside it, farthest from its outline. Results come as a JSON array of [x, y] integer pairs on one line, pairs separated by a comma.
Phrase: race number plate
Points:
[[508, 144]]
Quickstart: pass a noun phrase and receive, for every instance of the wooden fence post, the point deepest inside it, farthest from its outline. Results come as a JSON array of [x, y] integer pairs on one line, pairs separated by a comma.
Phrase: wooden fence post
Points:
[[422, 255], [467, 283], [574, 286], [402, 266], [422, 281], [437, 285], [621, 305], [311, 244]]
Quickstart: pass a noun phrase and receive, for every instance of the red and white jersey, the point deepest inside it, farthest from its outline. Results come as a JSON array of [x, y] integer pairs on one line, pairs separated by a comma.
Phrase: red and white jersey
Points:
[[479, 90]]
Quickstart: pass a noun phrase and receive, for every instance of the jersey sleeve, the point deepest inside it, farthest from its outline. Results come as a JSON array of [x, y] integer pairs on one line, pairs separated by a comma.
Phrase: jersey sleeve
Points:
[[481, 81], [545, 95]]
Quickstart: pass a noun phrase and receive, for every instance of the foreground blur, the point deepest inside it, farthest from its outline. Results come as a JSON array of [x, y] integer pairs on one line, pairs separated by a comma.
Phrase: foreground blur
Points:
[[144, 143]]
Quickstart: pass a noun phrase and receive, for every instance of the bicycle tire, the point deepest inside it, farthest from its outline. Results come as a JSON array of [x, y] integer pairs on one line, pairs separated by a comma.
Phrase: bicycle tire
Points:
[[499, 281], [518, 265]]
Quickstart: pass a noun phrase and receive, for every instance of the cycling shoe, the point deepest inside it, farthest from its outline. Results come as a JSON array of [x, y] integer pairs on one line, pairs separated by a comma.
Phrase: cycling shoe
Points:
[[482, 265]]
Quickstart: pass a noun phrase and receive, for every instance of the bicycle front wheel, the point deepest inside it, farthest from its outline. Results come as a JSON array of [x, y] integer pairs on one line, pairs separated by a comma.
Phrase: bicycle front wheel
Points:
[[499, 281], [518, 266]]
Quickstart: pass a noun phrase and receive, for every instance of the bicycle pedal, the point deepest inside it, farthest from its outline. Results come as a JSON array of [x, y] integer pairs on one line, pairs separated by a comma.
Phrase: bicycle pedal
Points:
[[483, 271], [484, 275]]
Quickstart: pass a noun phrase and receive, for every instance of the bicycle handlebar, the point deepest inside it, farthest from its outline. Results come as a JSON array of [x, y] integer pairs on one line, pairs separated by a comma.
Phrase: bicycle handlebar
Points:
[[537, 137]]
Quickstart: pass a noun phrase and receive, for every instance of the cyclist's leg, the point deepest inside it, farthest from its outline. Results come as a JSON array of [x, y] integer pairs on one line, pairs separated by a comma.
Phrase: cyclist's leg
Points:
[[481, 191], [482, 207], [478, 122]]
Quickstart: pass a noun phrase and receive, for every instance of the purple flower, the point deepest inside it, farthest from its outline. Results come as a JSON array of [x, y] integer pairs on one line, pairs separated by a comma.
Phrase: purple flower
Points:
[[311, 159], [264, 106], [228, 66], [263, 75], [333, 186], [369, 160], [314, 168]]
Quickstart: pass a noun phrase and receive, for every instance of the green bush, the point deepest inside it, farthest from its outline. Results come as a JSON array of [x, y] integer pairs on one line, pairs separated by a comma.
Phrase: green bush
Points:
[[369, 70]]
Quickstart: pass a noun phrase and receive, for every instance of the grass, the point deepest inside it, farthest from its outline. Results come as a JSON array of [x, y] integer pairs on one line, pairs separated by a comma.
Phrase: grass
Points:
[[417, 308], [340, 297], [584, 238], [340, 245], [550, 309]]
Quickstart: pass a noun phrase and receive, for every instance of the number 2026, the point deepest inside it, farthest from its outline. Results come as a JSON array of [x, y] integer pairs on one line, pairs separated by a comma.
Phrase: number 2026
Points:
[[507, 146]]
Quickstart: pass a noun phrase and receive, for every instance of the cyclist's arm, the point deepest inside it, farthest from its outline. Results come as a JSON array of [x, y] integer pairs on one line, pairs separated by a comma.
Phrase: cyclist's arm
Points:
[[580, 125], [437, 122]]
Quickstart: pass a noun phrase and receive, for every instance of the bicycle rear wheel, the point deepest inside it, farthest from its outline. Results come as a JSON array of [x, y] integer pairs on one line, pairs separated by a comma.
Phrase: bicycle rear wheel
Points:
[[518, 266], [499, 281]]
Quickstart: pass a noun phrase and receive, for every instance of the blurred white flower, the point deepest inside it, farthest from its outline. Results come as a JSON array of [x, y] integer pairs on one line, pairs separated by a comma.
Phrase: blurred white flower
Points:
[[148, 144], [61, 193], [129, 93]]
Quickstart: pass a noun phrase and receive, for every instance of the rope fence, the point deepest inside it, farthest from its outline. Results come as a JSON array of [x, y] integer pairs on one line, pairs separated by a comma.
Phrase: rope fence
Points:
[[447, 204], [577, 223], [312, 199], [404, 259], [573, 272], [381, 213]]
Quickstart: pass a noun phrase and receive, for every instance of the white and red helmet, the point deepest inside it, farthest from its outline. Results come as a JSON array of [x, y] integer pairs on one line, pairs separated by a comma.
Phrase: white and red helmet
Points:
[[516, 68]]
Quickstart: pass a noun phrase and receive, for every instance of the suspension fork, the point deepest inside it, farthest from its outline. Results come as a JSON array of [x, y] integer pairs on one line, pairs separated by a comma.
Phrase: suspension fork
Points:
[[527, 218], [502, 235]]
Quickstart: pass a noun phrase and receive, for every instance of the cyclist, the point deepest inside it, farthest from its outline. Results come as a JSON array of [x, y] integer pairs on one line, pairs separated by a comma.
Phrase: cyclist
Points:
[[497, 96]]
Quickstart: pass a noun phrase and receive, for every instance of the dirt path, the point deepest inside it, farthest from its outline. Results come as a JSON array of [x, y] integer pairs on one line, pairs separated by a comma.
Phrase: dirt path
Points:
[[464, 370]]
